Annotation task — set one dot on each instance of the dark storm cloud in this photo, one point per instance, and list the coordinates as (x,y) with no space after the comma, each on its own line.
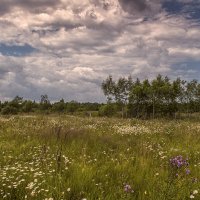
(4,8)
(133,5)
(30,5)
(105,5)
(145,8)
(190,9)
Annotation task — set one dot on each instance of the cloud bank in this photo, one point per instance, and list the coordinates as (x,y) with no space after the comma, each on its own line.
(66,48)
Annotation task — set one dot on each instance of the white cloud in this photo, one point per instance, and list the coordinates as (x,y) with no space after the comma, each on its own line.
(79,43)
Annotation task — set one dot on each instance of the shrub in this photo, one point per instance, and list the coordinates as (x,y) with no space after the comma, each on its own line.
(9,110)
(107,110)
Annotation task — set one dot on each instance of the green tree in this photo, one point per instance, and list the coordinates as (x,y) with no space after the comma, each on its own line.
(45,104)
(190,93)
(118,91)
(108,87)
(28,106)
(72,106)
(59,106)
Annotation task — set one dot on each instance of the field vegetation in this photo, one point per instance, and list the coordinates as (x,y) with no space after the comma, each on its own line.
(75,158)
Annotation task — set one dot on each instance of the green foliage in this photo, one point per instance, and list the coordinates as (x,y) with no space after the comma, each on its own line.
(59,106)
(108,110)
(72,106)
(28,106)
(108,87)
(8,110)
(158,98)
(45,104)
(118,91)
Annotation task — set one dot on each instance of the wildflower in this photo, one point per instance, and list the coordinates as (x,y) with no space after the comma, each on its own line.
(179,162)
(191,196)
(195,192)
(127,188)
(187,171)
(33,193)
(68,189)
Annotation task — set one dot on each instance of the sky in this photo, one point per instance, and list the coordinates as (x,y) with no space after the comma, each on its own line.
(66,48)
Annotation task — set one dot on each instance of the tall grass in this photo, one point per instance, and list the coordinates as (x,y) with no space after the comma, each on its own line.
(63,157)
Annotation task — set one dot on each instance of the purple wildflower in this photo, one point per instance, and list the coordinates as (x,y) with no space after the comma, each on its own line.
(179,162)
(127,188)
(187,171)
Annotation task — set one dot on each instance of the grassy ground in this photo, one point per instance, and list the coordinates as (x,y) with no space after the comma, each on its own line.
(45,157)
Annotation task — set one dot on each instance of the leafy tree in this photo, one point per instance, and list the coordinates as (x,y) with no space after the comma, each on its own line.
(59,106)
(28,106)
(108,87)
(160,97)
(72,106)
(190,94)
(45,104)
(117,91)
(135,98)
(16,103)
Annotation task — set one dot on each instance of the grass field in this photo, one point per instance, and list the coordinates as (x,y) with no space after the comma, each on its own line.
(66,157)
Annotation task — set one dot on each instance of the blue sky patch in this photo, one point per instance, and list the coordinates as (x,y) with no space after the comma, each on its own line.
(187,65)
(16,50)
(191,10)
(173,6)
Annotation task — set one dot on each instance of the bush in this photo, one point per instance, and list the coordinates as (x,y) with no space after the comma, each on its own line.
(9,110)
(107,110)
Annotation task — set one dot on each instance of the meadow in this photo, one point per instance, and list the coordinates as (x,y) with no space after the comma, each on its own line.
(83,158)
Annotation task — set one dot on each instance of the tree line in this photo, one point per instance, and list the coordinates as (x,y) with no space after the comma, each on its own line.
(159,97)
(19,105)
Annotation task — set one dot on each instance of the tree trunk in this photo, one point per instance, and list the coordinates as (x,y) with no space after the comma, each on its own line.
(153,106)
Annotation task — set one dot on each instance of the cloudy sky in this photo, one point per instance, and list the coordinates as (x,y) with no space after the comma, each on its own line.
(65,48)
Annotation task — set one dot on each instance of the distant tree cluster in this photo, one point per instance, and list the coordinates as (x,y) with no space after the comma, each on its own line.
(150,99)
(19,105)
